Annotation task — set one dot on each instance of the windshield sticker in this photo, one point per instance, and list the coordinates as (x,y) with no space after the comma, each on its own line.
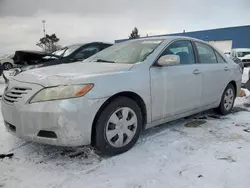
(151,42)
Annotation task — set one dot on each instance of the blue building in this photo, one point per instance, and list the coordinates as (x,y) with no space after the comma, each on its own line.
(224,38)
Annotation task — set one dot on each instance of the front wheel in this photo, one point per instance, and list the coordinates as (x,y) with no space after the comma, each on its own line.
(227,100)
(118,126)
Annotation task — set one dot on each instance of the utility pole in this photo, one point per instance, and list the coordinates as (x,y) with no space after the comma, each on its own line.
(44,31)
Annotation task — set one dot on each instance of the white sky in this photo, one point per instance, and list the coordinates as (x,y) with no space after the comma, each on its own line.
(106,20)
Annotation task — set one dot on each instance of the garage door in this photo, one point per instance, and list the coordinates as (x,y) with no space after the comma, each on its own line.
(224,45)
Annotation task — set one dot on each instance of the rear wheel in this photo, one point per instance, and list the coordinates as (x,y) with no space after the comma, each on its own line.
(227,100)
(118,126)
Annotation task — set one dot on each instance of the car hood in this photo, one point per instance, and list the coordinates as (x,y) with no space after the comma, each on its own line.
(69,73)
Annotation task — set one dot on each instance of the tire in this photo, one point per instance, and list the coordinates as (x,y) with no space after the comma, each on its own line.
(110,138)
(226,104)
(7,66)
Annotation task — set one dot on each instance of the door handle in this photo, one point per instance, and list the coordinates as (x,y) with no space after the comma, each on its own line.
(196,71)
(226,68)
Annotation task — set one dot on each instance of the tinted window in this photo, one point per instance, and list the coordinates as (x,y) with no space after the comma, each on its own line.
(183,49)
(87,52)
(206,53)
(105,46)
(242,54)
(219,58)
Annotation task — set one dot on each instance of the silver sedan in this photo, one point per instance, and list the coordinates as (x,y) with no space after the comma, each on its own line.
(108,99)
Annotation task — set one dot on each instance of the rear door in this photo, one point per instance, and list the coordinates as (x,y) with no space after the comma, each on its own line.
(215,73)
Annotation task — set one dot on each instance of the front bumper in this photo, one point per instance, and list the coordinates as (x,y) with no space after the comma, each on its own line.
(70,120)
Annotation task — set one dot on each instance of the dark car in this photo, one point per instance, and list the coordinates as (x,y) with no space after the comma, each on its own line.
(25,57)
(68,54)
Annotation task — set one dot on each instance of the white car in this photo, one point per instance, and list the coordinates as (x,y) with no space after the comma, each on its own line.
(243,54)
(7,62)
(108,99)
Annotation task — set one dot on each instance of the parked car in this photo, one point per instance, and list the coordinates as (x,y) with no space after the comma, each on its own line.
(108,99)
(68,54)
(7,62)
(227,54)
(243,54)
(26,57)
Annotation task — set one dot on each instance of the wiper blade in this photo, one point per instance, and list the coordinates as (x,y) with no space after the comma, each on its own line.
(105,61)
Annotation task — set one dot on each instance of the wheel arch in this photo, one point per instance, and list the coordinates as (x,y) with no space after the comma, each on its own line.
(7,62)
(235,87)
(132,95)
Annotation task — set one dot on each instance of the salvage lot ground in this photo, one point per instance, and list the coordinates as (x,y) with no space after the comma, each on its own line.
(211,153)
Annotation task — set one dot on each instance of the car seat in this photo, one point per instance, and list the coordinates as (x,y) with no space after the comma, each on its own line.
(184,58)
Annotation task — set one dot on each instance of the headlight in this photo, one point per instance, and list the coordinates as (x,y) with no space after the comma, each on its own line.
(61,92)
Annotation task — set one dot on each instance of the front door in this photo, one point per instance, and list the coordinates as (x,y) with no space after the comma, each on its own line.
(176,89)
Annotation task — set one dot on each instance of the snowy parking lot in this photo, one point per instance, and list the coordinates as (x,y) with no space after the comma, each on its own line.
(205,150)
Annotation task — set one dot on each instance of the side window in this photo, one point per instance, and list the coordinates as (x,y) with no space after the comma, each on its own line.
(183,49)
(219,58)
(206,53)
(86,52)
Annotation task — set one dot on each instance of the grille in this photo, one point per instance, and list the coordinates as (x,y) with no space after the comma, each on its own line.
(15,93)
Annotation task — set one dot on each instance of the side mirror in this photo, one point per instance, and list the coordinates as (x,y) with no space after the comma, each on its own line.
(168,60)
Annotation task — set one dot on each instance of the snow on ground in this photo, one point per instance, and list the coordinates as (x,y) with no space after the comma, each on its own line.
(211,155)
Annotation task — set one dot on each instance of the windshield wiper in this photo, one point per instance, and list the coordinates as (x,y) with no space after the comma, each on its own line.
(105,61)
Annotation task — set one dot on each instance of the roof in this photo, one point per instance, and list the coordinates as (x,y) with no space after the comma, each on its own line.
(165,38)
(227,33)
(32,51)
(242,49)
(81,44)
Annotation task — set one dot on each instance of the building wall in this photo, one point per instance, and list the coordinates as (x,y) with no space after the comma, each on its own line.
(239,35)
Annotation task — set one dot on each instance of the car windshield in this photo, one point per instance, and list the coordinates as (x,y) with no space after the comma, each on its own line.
(66,51)
(128,52)
(59,52)
(242,54)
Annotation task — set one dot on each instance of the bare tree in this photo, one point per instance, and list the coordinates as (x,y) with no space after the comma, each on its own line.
(49,43)
(134,34)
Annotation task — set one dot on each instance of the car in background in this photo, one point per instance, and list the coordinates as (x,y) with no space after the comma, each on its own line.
(227,54)
(27,57)
(7,62)
(109,98)
(68,54)
(243,54)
